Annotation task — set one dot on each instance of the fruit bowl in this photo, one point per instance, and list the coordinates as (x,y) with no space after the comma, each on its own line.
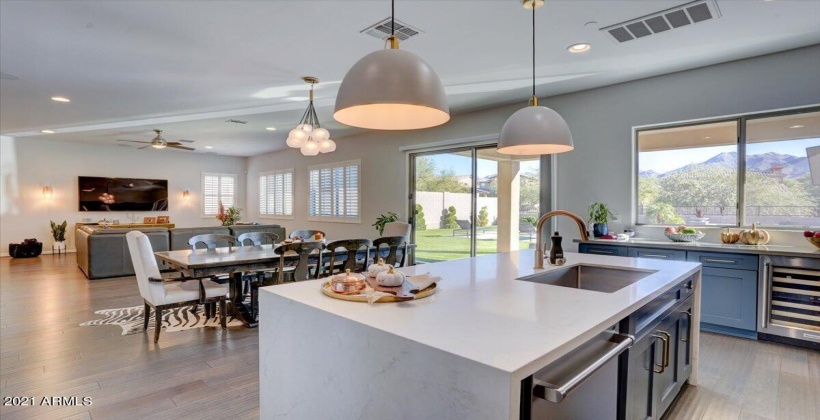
(814,241)
(685,237)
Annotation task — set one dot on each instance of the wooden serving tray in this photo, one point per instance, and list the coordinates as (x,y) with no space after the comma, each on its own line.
(430,290)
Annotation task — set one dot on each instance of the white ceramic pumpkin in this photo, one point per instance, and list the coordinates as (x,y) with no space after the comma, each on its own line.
(390,278)
(378,267)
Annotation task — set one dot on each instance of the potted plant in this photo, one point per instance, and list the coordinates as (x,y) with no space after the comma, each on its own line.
(230,216)
(599,217)
(58,233)
(383,220)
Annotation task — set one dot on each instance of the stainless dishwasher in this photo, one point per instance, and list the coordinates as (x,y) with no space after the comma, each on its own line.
(790,301)
(581,385)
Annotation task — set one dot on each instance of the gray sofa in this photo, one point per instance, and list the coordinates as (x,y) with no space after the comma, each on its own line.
(104,253)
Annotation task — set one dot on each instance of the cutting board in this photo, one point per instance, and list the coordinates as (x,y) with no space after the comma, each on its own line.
(403,292)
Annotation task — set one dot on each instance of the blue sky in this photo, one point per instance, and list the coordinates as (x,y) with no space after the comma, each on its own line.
(461,165)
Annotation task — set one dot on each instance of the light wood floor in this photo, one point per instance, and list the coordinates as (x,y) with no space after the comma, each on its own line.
(211,374)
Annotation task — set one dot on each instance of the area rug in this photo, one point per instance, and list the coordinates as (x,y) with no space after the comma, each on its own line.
(177,319)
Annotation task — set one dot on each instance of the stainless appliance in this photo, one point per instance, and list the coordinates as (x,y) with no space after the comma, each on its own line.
(790,301)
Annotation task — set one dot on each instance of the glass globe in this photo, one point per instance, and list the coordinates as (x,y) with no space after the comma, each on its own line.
(320,134)
(296,143)
(327,146)
(307,127)
(298,134)
(310,148)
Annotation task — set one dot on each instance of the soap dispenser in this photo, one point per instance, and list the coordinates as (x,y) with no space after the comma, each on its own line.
(556,252)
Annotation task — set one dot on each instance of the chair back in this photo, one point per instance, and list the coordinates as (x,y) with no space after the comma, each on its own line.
(304,251)
(257,238)
(145,266)
(346,251)
(397,229)
(211,240)
(305,234)
(396,251)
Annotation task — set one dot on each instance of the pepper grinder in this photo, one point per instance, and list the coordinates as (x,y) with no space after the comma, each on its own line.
(556,252)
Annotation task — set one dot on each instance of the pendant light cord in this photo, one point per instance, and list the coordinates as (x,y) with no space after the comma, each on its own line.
(533,51)
(393,17)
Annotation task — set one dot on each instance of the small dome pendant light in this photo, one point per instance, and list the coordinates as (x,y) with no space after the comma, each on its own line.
(534,130)
(391,89)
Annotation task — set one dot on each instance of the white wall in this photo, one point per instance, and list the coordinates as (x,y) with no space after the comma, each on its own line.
(29,164)
(600,167)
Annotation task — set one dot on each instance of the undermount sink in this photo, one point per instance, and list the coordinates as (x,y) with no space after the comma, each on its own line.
(590,277)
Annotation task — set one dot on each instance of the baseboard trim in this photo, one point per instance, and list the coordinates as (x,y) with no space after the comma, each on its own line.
(68,251)
(737,332)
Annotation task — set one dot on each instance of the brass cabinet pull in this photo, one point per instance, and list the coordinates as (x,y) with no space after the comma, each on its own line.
(664,359)
(720,260)
(689,326)
(599,251)
(666,348)
(655,255)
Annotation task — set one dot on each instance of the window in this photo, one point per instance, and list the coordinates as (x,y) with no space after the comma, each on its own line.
(753,169)
(276,193)
(217,188)
(334,192)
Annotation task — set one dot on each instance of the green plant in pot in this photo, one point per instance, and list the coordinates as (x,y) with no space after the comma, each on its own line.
(599,215)
(382,220)
(58,234)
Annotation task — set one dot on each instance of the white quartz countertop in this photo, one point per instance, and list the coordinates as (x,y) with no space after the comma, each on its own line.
(481,313)
(803,250)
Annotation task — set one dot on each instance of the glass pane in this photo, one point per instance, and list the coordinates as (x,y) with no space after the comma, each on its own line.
(783,171)
(443,185)
(688,175)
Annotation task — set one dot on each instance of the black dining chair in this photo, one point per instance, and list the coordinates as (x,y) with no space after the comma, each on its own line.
(305,252)
(344,255)
(211,240)
(392,248)
(305,234)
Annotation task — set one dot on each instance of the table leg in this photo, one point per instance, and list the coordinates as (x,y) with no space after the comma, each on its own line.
(238,308)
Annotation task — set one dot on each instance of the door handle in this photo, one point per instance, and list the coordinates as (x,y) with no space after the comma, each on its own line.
(767,295)
(689,326)
(664,351)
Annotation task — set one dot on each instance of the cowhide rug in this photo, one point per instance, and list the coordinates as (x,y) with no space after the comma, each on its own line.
(177,319)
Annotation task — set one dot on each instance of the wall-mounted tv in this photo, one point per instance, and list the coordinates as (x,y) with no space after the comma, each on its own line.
(122,194)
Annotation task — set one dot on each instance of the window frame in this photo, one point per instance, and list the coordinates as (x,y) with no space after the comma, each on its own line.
(336,219)
(291,171)
(741,120)
(235,177)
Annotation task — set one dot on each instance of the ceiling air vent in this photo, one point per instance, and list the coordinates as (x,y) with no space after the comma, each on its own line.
(665,20)
(381,30)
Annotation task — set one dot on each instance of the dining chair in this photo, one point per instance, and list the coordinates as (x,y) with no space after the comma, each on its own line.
(305,234)
(344,253)
(211,240)
(396,229)
(300,271)
(257,279)
(161,294)
(397,250)
(257,238)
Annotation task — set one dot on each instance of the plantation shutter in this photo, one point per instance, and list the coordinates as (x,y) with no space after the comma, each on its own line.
(276,193)
(216,188)
(334,192)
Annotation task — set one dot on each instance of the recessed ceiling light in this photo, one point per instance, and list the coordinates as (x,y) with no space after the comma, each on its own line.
(47,131)
(707,138)
(60,99)
(579,48)
(209,147)
(270,128)
(797,126)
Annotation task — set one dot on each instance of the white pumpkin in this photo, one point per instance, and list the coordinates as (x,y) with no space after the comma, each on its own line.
(379,267)
(390,278)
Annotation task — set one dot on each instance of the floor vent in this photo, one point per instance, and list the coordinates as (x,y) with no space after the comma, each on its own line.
(665,20)
(381,30)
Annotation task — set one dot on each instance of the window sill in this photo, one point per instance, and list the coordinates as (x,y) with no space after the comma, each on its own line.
(333,219)
(275,216)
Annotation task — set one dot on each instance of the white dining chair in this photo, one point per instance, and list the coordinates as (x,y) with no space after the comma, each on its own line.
(397,229)
(161,294)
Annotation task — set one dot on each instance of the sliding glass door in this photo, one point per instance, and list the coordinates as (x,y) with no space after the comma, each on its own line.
(472,201)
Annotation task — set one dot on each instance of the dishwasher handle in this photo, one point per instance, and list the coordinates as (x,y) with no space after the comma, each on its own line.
(557,392)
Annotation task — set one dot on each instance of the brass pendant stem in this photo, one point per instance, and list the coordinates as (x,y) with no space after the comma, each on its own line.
(534,101)
(394,42)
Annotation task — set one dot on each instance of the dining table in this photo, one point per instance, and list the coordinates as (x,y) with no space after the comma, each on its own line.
(233,261)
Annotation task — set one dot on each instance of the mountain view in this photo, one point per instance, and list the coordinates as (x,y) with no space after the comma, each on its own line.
(791,166)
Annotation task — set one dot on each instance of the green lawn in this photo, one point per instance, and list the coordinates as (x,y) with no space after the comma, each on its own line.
(440,245)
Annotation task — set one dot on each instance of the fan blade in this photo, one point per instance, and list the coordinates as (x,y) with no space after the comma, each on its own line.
(135,141)
(178,146)
(143,147)
(187,141)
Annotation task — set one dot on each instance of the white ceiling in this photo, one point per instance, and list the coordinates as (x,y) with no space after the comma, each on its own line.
(187,66)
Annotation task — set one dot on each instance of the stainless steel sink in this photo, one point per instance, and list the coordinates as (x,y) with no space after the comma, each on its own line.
(590,277)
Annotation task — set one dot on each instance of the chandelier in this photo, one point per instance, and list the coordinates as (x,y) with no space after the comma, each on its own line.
(309,136)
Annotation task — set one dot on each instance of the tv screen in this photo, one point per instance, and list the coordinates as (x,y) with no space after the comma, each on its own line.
(122,194)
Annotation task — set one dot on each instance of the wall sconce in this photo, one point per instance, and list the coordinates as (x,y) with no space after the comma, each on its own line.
(186,194)
(48,191)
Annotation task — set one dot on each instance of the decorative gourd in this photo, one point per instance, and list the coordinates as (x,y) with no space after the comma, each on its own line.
(379,267)
(390,278)
(729,237)
(754,236)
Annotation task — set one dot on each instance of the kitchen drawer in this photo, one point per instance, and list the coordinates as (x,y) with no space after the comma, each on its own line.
(650,313)
(720,260)
(660,254)
(616,250)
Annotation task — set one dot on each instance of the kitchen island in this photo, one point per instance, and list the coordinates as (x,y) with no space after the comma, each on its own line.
(462,353)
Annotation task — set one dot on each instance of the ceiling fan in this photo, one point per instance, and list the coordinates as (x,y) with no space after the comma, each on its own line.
(160,143)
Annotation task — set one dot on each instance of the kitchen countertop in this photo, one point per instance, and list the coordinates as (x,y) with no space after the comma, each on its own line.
(787,250)
(482,314)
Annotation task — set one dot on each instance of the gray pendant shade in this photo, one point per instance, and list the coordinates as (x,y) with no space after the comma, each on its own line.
(391,89)
(535,130)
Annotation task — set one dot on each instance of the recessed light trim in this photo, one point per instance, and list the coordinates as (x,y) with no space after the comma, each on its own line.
(579,48)
(270,128)
(798,126)
(47,131)
(209,147)
(60,99)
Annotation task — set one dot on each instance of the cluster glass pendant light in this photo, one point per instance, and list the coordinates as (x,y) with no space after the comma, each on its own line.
(309,136)
(391,89)
(535,130)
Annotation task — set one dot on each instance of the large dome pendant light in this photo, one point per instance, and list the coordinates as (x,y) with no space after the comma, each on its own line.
(391,89)
(309,136)
(535,130)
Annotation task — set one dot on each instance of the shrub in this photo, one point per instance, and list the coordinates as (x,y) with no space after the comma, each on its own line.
(421,224)
(483,217)
(450,218)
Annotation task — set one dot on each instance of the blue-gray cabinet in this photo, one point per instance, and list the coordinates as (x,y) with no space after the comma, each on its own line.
(618,251)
